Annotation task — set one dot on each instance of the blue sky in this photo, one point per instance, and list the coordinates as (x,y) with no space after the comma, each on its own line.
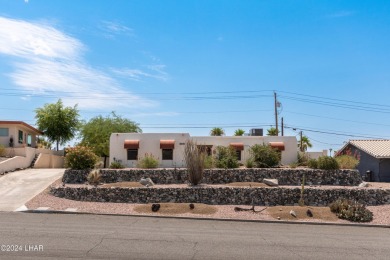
(187,66)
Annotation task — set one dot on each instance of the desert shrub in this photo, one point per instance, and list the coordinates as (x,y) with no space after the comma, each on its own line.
(2,151)
(312,163)
(327,163)
(208,162)
(347,162)
(294,165)
(94,177)
(303,159)
(249,163)
(195,161)
(116,165)
(264,156)
(147,162)
(351,210)
(80,158)
(225,157)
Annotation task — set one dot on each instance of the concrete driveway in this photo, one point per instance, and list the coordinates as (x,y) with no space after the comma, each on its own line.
(16,188)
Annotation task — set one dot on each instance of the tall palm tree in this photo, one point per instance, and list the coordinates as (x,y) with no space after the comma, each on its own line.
(239,132)
(305,144)
(272,131)
(217,131)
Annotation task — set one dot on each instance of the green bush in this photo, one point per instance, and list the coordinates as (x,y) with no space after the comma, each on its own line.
(249,163)
(80,158)
(208,162)
(327,163)
(2,151)
(116,165)
(225,157)
(351,210)
(264,156)
(312,163)
(347,162)
(303,159)
(148,162)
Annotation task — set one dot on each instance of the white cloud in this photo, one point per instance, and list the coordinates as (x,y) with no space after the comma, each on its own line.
(155,71)
(341,14)
(111,29)
(46,60)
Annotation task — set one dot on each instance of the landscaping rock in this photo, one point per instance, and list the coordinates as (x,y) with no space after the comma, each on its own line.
(309,213)
(364,184)
(156,207)
(192,206)
(292,213)
(146,182)
(271,182)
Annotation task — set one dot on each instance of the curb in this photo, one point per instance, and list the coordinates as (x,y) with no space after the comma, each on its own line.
(212,219)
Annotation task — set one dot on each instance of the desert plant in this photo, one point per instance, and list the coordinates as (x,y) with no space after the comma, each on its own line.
(264,156)
(239,132)
(303,159)
(301,201)
(116,165)
(147,162)
(312,163)
(195,161)
(249,163)
(2,151)
(217,131)
(80,158)
(208,162)
(351,210)
(94,177)
(272,131)
(327,163)
(347,162)
(293,165)
(225,157)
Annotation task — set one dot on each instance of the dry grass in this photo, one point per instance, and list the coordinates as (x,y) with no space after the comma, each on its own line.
(283,212)
(122,185)
(247,184)
(177,208)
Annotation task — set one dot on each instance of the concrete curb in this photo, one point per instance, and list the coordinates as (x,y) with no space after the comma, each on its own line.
(213,219)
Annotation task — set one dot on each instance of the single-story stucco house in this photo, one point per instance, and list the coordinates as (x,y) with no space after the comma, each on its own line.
(168,148)
(374,157)
(18,134)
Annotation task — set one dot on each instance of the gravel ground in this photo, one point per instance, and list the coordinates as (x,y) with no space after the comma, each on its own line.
(44,199)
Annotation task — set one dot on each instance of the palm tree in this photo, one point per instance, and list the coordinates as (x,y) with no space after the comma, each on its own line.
(217,131)
(305,144)
(272,131)
(239,132)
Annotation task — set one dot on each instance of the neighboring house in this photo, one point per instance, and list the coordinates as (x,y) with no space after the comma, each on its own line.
(374,157)
(19,132)
(168,148)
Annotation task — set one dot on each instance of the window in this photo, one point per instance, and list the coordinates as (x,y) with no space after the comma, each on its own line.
(205,149)
(4,131)
(167,154)
(20,139)
(238,153)
(132,154)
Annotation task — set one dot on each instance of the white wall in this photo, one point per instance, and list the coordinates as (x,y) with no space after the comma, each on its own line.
(18,161)
(150,143)
(47,160)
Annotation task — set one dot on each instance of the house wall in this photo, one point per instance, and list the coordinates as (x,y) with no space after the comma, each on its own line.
(46,160)
(13,130)
(384,170)
(150,144)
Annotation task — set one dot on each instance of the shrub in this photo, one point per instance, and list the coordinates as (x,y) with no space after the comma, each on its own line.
(303,159)
(94,177)
(312,163)
(264,156)
(195,161)
(249,163)
(148,162)
(80,158)
(2,151)
(351,210)
(208,162)
(116,165)
(327,163)
(347,162)
(226,157)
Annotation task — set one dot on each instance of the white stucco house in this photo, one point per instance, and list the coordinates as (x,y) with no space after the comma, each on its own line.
(168,148)
(20,133)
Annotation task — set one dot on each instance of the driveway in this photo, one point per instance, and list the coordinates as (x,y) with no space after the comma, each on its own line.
(16,188)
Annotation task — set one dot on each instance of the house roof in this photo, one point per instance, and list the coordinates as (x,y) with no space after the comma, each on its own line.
(22,123)
(376,148)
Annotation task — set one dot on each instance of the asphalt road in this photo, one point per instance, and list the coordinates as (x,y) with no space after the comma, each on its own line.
(119,237)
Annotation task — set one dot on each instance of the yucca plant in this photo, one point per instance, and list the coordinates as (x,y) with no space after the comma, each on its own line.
(94,177)
(195,162)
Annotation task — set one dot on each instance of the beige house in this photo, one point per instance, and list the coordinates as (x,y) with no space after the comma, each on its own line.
(168,148)
(18,134)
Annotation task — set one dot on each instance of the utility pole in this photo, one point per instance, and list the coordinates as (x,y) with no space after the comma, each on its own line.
(282,127)
(276,114)
(301,142)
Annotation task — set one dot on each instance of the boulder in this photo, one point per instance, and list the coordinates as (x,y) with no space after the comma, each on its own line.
(271,182)
(364,184)
(146,182)
(292,213)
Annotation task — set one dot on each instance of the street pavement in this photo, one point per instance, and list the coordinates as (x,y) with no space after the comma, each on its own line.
(76,236)
(16,188)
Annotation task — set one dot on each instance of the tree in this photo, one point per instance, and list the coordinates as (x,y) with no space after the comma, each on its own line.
(239,132)
(272,131)
(217,131)
(97,131)
(305,143)
(58,123)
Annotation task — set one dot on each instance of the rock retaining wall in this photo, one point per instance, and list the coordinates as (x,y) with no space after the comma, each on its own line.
(223,195)
(221,176)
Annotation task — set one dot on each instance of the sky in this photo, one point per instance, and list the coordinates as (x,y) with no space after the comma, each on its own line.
(189,66)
